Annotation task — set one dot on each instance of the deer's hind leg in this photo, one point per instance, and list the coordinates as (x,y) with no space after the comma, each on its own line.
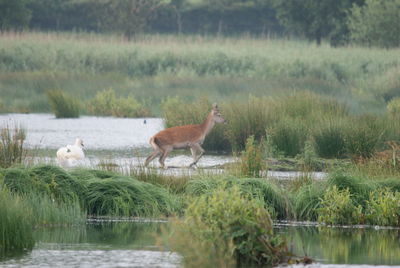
(165,152)
(153,155)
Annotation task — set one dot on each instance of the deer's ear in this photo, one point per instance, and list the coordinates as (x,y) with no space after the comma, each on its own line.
(215,106)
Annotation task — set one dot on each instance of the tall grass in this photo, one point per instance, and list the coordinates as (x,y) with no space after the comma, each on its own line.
(16,224)
(273,197)
(63,105)
(12,149)
(154,66)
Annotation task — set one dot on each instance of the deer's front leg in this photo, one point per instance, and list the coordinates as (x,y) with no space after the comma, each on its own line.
(197,152)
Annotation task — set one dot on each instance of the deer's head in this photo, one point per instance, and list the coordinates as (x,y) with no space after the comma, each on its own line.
(216,115)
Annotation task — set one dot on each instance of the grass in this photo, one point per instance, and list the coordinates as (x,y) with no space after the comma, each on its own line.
(63,105)
(155,67)
(12,149)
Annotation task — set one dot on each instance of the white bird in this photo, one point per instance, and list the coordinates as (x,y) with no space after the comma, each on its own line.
(70,155)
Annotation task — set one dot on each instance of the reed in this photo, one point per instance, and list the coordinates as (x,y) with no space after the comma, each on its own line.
(63,105)
(16,224)
(12,149)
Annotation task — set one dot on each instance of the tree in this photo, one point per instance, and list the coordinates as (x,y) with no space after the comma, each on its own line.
(14,15)
(377,23)
(315,19)
(130,16)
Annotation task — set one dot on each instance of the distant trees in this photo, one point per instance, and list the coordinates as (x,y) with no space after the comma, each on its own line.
(315,19)
(377,23)
(14,15)
(365,22)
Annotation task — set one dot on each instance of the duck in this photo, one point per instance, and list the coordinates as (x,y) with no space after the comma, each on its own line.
(71,155)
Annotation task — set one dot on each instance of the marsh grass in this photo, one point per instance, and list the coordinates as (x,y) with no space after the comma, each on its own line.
(16,223)
(273,197)
(63,105)
(163,65)
(12,149)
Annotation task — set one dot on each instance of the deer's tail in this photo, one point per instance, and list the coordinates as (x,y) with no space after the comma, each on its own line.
(154,142)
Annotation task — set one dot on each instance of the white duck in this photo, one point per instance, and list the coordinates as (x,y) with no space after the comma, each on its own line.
(70,155)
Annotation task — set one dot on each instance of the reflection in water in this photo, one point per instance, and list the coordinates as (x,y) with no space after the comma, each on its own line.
(345,245)
(101,244)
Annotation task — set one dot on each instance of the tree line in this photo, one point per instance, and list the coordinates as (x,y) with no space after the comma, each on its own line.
(340,22)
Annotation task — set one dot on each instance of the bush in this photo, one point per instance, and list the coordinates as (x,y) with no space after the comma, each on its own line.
(337,207)
(62,105)
(12,149)
(232,228)
(383,208)
(307,201)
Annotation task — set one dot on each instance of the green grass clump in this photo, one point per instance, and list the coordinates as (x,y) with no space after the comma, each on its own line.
(329,139)
(16,223)
(108,193)
(12,149)
(274,198)
(307,200)
(63,105)
(49,180)
(358,187)
(225,228)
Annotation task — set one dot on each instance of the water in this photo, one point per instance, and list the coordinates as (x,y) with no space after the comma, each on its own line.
(122,142)
(135,244)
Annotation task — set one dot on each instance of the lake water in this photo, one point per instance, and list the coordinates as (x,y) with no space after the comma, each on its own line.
(122,142)
(134,244)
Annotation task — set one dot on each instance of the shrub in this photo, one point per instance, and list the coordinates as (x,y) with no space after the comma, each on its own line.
(307,201)
(62,105)
(12,149)
(230,226)
(383,208)
(337,207)
(251,159)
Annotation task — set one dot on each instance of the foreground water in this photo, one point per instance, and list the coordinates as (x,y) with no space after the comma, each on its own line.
(135,244)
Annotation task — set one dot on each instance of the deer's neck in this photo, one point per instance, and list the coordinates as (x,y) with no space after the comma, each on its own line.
(207,125)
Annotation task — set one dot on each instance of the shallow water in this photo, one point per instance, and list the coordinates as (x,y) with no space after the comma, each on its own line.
(134,244)
(121,142)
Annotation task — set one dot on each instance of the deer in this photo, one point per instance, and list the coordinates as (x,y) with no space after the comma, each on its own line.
(183,137)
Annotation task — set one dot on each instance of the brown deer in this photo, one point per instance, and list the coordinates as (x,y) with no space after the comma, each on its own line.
(181,137)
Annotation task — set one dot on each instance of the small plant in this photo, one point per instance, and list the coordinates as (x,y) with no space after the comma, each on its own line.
(12,149)
(62,105)
(329,140)
(337,207)
(383,208)
(251,159)
(229,228)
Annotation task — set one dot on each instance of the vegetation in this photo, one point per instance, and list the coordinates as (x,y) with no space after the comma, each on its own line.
(12,149)
(225,228)
(62,105)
